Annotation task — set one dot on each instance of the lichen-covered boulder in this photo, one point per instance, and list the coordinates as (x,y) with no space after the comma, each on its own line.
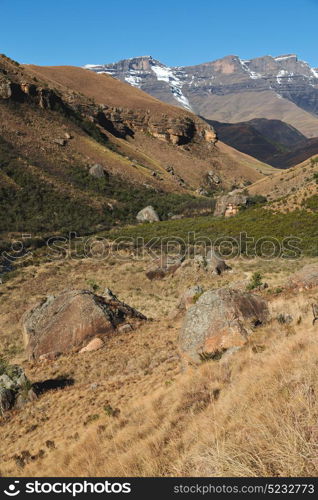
(68,321)
(14,385)
(305,278)
(220,319)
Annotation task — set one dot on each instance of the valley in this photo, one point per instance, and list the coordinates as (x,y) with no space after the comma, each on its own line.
(158,269)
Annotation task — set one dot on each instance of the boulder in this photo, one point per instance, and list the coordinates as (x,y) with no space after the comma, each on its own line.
(14,386)
(6,382)
(5,88)
(214,178)
(229,205)
(147,214)
(305,278)
(211,262)
(201,191)
(66,322)
(189,297)
(125,328)
(93,345)
(215,263)
(97,171)
(163,267)
(12,377)
(6,400)
(220,320)
(60,142)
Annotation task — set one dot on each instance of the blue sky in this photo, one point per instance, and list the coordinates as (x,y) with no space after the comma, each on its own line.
(78,32)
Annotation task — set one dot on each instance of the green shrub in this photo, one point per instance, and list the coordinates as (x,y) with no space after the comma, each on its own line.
(3,366)
(31,204)
(93,285)
(257,199)
(255,282)
(313,161)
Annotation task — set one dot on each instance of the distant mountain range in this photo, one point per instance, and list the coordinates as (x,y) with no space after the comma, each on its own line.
(230,89)
(271,141)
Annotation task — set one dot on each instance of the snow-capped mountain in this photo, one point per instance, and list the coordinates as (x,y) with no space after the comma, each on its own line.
(230,89)
(145,71)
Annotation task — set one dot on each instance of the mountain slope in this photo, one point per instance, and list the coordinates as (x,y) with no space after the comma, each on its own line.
(143,114)
(290,189)
(58,122)
(231,89)
(271,141)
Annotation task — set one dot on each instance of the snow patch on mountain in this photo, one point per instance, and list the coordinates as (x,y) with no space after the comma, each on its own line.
(163,73)
(314,72)
(252,74)
(133,79)
(166,74)
(284,58)
(91,66)
(281,75)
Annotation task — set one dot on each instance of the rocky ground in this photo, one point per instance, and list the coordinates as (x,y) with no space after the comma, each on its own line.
(133,407)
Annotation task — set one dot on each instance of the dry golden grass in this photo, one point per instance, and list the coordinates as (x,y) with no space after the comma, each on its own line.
(133,410)
(287,189)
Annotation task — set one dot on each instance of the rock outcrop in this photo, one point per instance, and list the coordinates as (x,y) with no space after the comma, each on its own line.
(97,171)
(220,320)
(179,131)
(305,278)
(147,214)
(211,262)
(215,263)
(15,388)
(64,323)
(163,267)
(5,88)
(230,204)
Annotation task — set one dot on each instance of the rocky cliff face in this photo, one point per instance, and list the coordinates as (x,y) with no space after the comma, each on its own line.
(175,130)
(284,78)
(121,122)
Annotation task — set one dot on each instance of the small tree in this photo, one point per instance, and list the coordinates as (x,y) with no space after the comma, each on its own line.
(255,282)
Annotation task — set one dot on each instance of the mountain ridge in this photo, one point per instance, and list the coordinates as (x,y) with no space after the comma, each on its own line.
(271,141)
(286,87)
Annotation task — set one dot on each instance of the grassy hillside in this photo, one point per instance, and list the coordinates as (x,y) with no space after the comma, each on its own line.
(288,190)
(131,409)
(255,222)
(73,200)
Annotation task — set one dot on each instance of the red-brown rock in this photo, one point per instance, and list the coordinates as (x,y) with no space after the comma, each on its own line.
(66,322)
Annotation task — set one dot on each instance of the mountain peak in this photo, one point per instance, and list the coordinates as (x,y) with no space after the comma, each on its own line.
(284,79)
